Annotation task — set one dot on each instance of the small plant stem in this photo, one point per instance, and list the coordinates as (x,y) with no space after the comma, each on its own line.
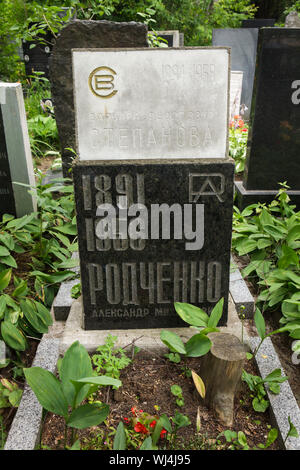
(256,350)
(65,436)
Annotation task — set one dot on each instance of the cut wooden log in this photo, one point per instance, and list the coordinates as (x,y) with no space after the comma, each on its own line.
(221,371)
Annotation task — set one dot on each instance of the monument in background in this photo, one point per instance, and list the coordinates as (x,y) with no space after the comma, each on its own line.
(15,155)
(243,44)
(273,153)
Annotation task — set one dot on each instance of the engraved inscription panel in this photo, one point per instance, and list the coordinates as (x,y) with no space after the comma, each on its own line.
(152,103)
(145,243)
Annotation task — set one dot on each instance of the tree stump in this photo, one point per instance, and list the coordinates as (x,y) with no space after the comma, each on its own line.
(221,371)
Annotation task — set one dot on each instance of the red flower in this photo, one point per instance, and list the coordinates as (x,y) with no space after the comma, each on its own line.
(139,427)
(241,123)
(126,420)
(162,434)
(152,424)
(245,130)
(133,410)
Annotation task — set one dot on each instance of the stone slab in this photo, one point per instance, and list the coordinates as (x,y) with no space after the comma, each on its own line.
(236,86)
(240,293)
(63,300)
(246,197)
(154,103)
(25,429)
(243,43)
(82,34)
(132,283)
(146,339)
(274,132)
(15,155)
(283,405)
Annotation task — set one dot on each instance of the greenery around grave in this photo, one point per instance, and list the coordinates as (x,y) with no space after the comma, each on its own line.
(36,250)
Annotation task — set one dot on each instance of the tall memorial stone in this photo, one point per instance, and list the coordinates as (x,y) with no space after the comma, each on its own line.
(83,34)
(153,184)
(274,136)
(243,44)
(15,155)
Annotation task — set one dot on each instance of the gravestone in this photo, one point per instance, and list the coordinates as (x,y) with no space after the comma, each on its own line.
(87,34)
(292,20)
(258,23)
(243,43)
(15,155)
(236,85)
(274,135)
(152,132)
(172,37)
(37,58)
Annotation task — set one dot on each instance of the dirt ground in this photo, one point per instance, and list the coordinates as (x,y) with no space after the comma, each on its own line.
(146,384)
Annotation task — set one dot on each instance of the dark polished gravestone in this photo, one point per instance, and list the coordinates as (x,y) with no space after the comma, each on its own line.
(83,34)
(243,44)
(274,136)
(15,156)
(258,23)
(133,283)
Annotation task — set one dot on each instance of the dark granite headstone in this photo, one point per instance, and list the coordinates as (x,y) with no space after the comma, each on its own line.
(243,43)
(274,138)
(83,34)
(258,23)
(133,283)
(7,205)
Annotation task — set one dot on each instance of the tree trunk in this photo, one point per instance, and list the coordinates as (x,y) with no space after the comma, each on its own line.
(221,371)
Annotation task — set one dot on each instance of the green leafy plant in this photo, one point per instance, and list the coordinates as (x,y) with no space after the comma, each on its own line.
(238,440)
(199,344)
(292,432)
(256,385)
(176,390)
(64,396)
(238,135)
(10,394)
(110,360)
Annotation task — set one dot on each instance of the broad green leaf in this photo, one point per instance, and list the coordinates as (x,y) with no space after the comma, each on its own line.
(48,390)
(246,246)
(120,438)
(29,310)
(199,384)
(292,430)
(197,346)
(276,232)
(173,341)
(88,415)
(12,336)
(260,323)
(75,365)
(43,314)
(293,234)
(147,444)
(104,380)
(5,277)
(260,405)
(272,436)
(216,314)
(76,445)
(3,251)
(192,315)
(9,261)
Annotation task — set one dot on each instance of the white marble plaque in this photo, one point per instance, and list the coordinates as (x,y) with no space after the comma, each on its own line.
(236,86)
(151,103)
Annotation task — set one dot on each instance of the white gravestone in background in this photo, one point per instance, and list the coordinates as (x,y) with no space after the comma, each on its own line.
(151,103)
(15,155)
(236,85)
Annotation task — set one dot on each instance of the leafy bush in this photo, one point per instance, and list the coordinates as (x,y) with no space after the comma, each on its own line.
(269,235)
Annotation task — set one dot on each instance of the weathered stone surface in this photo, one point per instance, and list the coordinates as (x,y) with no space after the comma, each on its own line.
(15,155)
(258,23)
(83,34)
(25,429)
(274,134)
(292,20)
(133,283)
(155,103)
(243,43)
